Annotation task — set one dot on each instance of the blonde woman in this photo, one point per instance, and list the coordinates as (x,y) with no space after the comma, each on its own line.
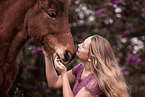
(98,75)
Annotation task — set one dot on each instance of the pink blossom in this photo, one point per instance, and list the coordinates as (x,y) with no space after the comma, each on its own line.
(122,68)
(138,61)
(129,60)
(121,24)
(115,1)
(127,12)
(135,58)
(119,37)
(117,59)
(126,73)
(129,26)
(100,12)
(131,49)
(126,32)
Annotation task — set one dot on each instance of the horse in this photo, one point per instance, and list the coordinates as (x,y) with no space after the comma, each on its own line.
(20,20)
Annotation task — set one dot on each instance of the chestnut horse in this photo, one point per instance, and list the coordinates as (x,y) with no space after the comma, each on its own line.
(20,20)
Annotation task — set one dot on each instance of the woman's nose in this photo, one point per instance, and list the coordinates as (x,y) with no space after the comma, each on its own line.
(79,45)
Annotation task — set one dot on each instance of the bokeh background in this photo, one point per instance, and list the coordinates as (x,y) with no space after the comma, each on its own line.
(122,23)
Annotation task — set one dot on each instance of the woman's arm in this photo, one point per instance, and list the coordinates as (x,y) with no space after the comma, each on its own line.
(67,92)
(51,74)
(54,81)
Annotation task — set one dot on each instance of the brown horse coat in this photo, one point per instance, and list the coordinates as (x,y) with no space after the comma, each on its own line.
(20,20)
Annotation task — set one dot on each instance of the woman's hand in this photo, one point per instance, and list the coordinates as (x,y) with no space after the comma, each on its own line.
(59,66)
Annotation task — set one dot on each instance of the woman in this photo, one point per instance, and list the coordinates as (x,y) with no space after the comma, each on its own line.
(97,76)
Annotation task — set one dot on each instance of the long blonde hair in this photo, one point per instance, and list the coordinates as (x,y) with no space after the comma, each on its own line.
(106,70)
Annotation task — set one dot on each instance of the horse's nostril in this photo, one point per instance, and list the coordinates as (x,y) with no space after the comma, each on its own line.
(68,55)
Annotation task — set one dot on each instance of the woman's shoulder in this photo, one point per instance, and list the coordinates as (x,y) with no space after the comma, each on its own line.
(77,68)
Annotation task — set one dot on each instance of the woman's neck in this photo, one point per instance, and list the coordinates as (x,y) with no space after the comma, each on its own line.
(87,68)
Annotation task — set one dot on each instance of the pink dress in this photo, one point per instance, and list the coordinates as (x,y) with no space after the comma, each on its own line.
(89,82)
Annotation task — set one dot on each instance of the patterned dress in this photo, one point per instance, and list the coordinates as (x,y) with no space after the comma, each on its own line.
(89,82)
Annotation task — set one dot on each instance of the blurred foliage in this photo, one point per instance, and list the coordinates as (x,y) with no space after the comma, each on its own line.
(122,23)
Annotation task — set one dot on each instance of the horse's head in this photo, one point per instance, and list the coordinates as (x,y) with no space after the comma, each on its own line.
(47,22)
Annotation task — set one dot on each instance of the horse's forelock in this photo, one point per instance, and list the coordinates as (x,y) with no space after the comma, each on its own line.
(62,2)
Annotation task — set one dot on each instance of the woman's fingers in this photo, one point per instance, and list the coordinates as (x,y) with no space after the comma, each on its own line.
(59,66)
(57,61)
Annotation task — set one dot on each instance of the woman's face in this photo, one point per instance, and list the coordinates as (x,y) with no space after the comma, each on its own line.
(83,49)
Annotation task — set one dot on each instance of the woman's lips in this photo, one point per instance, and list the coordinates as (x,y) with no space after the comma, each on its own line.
(78,51)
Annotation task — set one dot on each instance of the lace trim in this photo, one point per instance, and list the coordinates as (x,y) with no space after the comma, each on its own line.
(93,87)
(76,69)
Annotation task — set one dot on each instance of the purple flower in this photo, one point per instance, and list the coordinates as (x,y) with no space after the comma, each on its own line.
(119,37)
(127,12)
(37,86)
(131,49)
(122,68)
(117,59)
(121,24)
(138,61)
(101,12)
(115,1)
(129,26)
(126,32)
(36,50)
(126,73)
(135,58)
(129,60)
(110,26)
(29,67)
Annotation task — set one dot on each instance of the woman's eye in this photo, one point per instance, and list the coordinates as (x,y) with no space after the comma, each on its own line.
(52,15)
(83,45)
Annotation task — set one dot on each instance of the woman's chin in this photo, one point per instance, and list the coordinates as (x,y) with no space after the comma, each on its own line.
(77,53)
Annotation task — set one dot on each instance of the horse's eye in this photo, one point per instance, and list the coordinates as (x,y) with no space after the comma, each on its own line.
(52,33)
(52,15)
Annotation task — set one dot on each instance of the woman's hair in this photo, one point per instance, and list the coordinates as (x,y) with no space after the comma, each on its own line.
(104,65)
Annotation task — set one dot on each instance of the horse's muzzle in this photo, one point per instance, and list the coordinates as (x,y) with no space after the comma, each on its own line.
(68,57)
